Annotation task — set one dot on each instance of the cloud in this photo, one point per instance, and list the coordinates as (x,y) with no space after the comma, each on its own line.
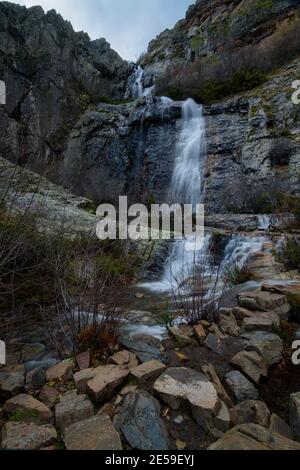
(128,25)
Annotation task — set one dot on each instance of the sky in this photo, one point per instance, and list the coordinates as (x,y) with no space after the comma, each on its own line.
(128,25)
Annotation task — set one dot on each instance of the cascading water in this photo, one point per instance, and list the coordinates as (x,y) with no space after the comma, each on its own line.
(135,87)
(186,188)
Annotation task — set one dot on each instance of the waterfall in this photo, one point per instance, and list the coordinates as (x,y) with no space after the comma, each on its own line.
(135,86)
(187,180)
(186,188)
(264,222)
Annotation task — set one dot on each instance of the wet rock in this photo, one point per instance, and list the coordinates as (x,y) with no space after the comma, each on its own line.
(295,415)
(21,436)
(49,396)
(252,364)
(72,408)
(96,433)
(241,388)
(140,422)
(210,371)
(28,408)
(145,348)
(268,345)
(32,351)
(250,411)
(62,372)
(278,426)
(106,382)
(83,360)
(200,333)
(228,323)
(253,437)
(11,383)
(124,358)
(148,371)
(179,386)
(265,301)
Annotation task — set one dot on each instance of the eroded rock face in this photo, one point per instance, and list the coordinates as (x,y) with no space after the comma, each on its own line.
(45,64)
(186,386)
(140,422)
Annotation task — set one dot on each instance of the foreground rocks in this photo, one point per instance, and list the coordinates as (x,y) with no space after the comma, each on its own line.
(253,437)
(295,415)
(182,385)
(140,422)
(241,388)
(96,433)
(24,436)
(29,408)
(72,408)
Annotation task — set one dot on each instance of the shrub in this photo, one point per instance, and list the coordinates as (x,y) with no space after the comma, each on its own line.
(289,254)
(235,275)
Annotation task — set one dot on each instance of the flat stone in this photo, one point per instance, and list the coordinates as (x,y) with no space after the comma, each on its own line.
(148,371)
(268,345)
(278,426)
(140,422)
(250,411)
(49,396)
(181,385)
(83,360)
(31,351)
(124,358)
(241,313)
(11,383)
(222,420)
(295,415)
(228,323)
(29,407)
(241,388)
(22,436)
(145,347)
(107,381)
(96,433)
(200,333)
(253,437)
(62,372)
(290,289)
(265,301)
(72,408)
(251,364)
(261,320)
(81,379)
(211,373)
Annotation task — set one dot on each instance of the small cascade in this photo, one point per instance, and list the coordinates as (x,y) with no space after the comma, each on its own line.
(264,222)
(135,87)
(239,248)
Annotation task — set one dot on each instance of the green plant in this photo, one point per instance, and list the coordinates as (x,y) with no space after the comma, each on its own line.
(289,254)
(24,415)
(167,320)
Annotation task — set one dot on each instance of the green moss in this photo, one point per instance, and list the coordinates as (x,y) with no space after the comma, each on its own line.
(197,42)
(26,415)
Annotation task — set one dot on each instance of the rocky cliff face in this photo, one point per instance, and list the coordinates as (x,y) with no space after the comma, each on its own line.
(212,27)
(52,74)
(56,79)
